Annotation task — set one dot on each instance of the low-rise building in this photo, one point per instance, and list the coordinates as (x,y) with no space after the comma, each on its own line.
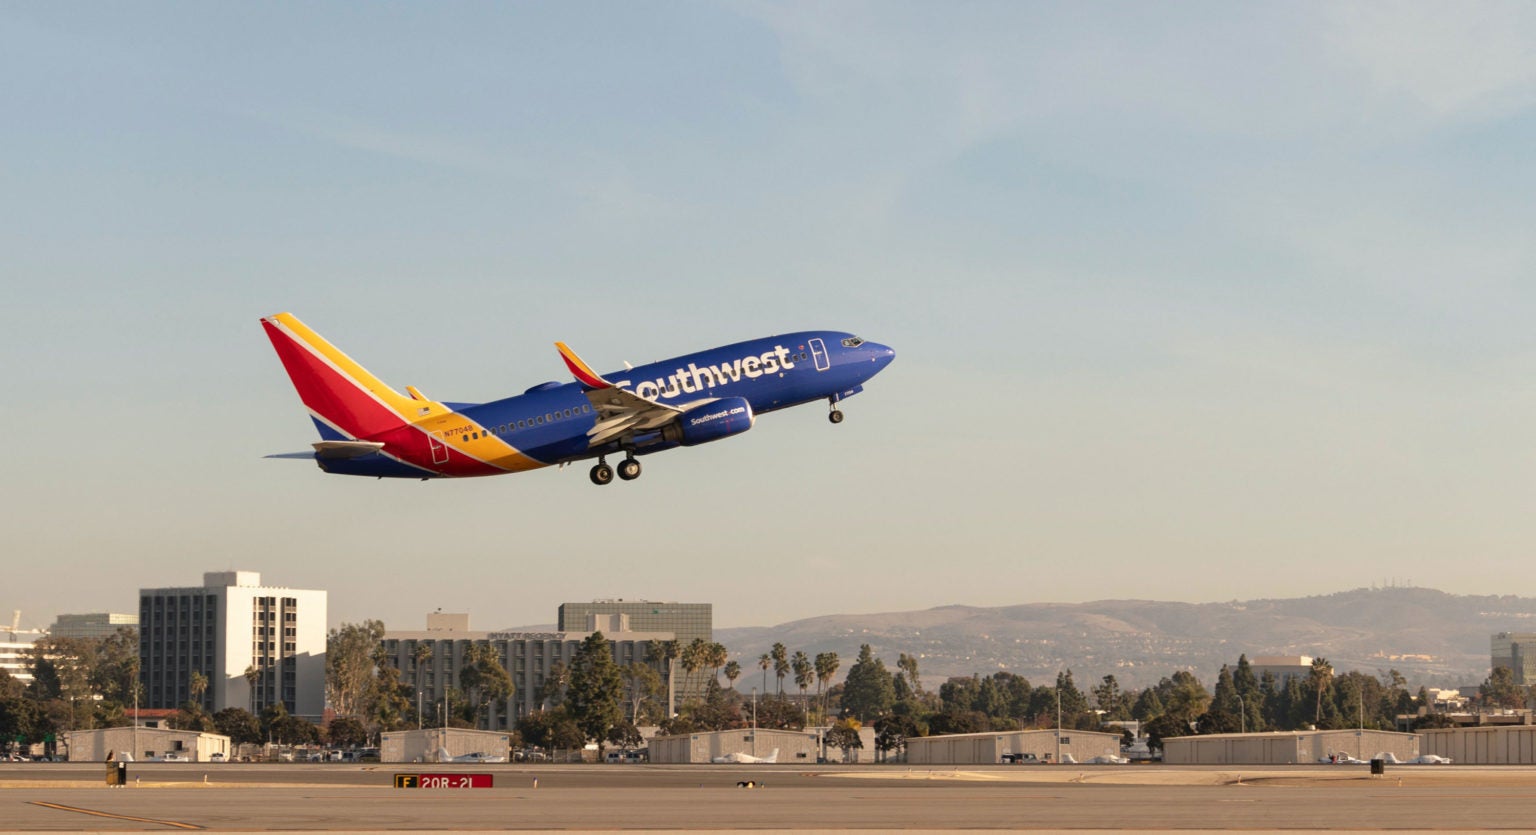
(786,747)
(1488,745)
(429,745)
(1288,747)
(991,747)
(144,745)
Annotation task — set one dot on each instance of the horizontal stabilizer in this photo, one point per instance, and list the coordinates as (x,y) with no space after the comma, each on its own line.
(346,449)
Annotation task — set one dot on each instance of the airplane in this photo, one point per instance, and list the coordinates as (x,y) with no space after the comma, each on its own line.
(369,429)
(738,757)
(477,757)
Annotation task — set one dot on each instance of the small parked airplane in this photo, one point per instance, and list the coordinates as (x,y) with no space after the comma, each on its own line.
(477,757)
(369,429)
(739,757)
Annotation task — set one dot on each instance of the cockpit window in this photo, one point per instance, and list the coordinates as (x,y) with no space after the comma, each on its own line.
(852,342)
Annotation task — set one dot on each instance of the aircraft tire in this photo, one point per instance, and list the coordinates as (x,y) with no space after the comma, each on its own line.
(835,416)
(602,474)
(629,469)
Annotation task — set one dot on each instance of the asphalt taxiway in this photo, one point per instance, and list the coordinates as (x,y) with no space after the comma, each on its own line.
(236,797)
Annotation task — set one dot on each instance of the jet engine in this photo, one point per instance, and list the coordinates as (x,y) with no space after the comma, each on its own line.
(711,422)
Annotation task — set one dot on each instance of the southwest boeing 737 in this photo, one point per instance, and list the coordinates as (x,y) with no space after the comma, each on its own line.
(369,429)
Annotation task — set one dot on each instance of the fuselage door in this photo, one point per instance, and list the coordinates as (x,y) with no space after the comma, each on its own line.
(819,354)
(439,451)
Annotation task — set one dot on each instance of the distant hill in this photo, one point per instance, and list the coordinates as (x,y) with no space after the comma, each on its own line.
(1429,636)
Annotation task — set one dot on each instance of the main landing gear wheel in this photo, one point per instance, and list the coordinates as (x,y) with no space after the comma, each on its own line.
(629,469)
(602,473)
(835,416)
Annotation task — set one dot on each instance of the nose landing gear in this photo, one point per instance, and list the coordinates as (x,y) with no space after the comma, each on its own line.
(834,415)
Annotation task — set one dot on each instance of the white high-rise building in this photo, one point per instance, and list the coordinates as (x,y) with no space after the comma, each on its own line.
(233,630)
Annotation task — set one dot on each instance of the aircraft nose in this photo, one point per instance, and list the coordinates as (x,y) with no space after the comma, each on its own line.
(881,354)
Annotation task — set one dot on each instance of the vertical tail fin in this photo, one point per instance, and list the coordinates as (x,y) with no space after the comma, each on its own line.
(343,398)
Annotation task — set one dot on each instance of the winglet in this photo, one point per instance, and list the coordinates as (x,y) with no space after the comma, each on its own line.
(580,370)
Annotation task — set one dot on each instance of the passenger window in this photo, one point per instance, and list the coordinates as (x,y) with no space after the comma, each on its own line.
(548,417)
(466,439)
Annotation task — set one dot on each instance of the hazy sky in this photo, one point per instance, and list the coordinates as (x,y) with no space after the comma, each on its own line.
(1190,301)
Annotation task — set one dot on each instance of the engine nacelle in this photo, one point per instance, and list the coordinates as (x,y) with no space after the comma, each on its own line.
(711,422)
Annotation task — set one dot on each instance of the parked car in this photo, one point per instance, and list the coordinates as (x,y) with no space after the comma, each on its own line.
(217,757)
(1021,759)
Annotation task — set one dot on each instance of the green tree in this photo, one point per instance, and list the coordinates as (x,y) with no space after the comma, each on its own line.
(765,662)
(1184,697)
(240,725)
(1321,680)
(349,665)
(1224,715)
(1148,706)
(597,687)
(1499,690)
(907,664)
(625,735)
(483,678)
(869,691)
(552,692)
(844,735)
(347,732)
(732,672)
(641,685)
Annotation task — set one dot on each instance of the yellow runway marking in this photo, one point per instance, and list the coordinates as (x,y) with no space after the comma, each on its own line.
(63,808)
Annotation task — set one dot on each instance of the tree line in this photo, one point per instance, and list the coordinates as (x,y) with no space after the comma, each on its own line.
(82,683)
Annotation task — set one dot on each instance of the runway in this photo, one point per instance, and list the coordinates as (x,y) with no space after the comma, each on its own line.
(173,797)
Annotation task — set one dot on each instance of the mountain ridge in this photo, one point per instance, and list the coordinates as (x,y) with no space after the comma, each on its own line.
(1431,637)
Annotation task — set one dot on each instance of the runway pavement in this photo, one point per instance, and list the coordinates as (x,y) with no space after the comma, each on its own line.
(169,797)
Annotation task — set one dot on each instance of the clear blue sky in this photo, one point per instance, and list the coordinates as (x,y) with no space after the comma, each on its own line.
(1191,301)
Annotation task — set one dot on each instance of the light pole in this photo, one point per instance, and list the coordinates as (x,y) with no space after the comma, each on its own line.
(1058,723)
(754,721)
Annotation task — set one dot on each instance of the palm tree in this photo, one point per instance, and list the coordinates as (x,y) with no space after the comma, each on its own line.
(780,664)
(804,672)
(765,661)
(693,660)
(420,656)
(666,652)
(826,667)
(253,677)
(1321,678)
(716,655)
(732,672)
(197,685)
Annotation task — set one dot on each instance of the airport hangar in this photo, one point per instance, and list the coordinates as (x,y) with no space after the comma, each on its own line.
(793,746)
(426,745)
(142,743)
(1486,745)
(983,748)
(1287,747)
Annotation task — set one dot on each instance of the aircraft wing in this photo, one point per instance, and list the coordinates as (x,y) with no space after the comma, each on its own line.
(619,412)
